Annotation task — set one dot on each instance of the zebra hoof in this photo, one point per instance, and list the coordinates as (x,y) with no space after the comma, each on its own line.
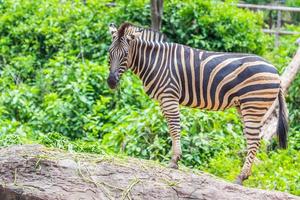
(173,165)
(238,181)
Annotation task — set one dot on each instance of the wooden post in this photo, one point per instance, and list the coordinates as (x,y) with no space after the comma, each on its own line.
(156,14)
(278,25)
(270,20)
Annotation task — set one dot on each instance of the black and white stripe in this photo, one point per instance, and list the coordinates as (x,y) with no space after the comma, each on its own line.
(175,75)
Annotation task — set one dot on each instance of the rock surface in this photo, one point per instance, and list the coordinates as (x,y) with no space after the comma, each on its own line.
(33,172)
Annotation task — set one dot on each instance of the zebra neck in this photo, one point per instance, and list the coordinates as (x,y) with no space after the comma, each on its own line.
(143,57)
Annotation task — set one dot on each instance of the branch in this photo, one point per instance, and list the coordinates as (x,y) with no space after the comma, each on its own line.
(269,128)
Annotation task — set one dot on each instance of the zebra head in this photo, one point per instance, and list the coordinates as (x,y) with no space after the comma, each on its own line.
(118,51)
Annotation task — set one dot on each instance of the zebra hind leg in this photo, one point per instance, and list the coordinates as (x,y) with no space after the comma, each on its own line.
(252,127)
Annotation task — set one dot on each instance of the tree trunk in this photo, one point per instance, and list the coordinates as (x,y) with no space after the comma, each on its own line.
(269,128)
(156,14)
(33,172)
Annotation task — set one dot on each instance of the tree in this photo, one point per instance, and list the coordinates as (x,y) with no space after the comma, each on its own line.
(156,14)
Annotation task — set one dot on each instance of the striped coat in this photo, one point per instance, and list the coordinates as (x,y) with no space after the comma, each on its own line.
(175,75)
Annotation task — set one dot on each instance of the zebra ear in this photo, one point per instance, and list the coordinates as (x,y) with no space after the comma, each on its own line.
(113,29)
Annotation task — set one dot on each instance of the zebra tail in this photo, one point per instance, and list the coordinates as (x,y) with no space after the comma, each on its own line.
(282,126)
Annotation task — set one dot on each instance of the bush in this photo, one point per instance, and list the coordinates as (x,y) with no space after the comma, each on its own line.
(206,25)
(53,60)
(274,170)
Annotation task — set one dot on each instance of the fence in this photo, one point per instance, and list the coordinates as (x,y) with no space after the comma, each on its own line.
(277,31)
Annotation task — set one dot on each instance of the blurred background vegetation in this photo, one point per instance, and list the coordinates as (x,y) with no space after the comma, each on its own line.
(53,91)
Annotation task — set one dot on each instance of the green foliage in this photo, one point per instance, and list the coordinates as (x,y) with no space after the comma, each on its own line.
(53,87)
(215,26)
(206,25)
(226,164)
(284,166)
(274,170)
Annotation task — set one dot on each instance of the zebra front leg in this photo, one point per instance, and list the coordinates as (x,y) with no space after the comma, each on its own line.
(170,109)
(252,133)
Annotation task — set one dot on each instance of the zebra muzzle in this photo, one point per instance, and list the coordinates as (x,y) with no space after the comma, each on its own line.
(112,80)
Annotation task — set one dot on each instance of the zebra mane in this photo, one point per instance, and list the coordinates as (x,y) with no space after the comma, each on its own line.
(122,29)
(125,28)
(158,36)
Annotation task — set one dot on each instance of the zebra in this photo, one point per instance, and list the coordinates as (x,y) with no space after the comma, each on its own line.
(175,74)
